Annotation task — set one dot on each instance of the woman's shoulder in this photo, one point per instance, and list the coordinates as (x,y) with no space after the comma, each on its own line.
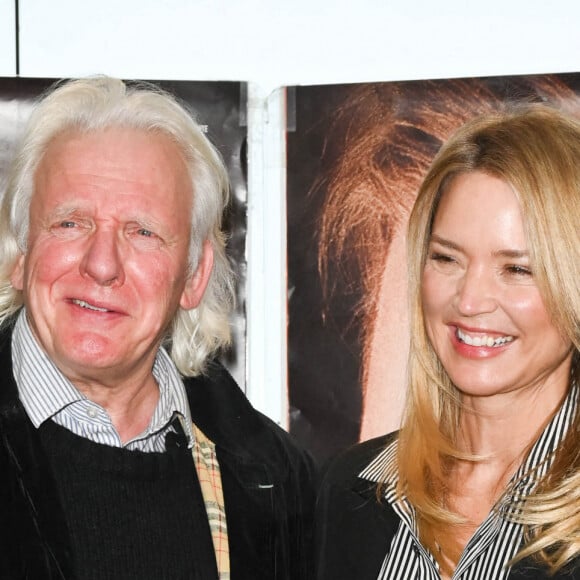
(348,464)
(350,518)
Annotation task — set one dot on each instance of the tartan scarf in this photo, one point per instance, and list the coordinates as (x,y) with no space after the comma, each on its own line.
(208,472)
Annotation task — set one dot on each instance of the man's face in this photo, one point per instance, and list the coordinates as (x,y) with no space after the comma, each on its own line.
(106,266)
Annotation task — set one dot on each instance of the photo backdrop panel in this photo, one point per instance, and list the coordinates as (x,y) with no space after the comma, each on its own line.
(356,155)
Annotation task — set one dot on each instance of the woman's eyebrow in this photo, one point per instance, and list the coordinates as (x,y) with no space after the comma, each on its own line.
(515,254)
(444,242)
(504,253)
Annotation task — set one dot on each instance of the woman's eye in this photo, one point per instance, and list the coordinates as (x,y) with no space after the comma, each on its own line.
(442,258)
(518,270)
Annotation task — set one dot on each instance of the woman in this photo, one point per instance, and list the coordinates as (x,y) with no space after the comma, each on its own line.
(481,482)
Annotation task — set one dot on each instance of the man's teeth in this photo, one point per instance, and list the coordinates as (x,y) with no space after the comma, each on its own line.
(482,340)
(84,304)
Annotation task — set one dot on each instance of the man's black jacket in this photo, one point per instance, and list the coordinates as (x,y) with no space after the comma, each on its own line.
(269,486)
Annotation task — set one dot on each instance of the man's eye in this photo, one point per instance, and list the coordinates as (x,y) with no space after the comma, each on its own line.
(145,233)
(67,224)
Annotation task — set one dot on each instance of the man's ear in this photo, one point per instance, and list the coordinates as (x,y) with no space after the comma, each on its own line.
(197,282)
(17,275)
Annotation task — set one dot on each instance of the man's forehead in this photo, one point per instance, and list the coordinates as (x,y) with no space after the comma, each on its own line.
(121,155)
(114,137)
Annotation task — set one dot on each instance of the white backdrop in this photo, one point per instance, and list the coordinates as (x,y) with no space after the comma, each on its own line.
(7,38)
(272,43)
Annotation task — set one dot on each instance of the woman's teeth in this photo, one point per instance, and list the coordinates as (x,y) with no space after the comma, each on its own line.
(482,340)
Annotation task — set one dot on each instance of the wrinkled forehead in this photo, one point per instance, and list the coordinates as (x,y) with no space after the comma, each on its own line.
(117,164)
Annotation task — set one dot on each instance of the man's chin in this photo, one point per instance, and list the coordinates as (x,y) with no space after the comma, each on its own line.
(87,357)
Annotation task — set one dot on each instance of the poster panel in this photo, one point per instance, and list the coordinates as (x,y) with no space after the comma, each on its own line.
(356,155)
(220,108)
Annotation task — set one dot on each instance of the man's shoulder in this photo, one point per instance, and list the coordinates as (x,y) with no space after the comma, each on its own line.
(222,411)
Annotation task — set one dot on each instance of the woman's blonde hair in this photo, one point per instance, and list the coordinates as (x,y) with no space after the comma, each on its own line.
(536,150)
(98,103)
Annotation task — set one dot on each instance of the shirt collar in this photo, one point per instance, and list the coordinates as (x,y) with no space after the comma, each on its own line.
(541,455)
(45,391)
(384,466)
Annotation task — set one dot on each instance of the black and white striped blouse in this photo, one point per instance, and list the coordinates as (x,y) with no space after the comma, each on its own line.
(497,539)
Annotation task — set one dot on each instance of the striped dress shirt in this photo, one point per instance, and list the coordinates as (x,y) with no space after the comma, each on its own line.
(47,394)
(497,539)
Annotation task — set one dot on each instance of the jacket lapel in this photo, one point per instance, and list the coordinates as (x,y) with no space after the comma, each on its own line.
(35,513)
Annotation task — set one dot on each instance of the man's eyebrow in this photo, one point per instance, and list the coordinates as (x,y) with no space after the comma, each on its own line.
(146,222)
(63,211)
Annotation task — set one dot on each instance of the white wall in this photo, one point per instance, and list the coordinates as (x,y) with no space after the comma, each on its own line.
(7,38)
(273,43)
(299,41)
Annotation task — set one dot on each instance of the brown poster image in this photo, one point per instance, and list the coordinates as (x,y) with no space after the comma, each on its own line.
(356,158)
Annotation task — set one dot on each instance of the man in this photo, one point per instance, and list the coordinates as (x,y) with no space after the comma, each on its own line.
(119,458)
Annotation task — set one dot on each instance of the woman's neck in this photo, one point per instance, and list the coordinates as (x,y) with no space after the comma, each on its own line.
(498,432)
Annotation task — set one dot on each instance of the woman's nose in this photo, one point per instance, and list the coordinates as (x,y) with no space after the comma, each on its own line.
(476,292)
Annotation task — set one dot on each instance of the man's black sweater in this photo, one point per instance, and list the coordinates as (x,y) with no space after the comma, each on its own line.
(131,515)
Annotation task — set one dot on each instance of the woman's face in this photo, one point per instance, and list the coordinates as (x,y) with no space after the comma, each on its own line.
(483,311)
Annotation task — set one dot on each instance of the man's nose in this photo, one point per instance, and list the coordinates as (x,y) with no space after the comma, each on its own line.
(102,260)
(476,292)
